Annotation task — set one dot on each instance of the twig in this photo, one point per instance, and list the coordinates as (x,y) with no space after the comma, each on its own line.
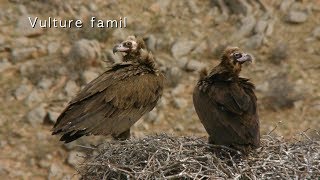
(275,127)
(167,157)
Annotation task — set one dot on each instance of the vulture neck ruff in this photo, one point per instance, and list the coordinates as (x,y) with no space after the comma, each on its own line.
(223,73)
(141,57)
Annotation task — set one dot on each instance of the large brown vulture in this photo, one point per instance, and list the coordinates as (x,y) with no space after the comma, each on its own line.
(226,103)
(114,101)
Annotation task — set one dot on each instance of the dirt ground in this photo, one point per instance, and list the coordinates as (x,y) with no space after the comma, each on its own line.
(38,75)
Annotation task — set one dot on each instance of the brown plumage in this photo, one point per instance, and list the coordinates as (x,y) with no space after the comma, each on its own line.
(114,101)
(226,103)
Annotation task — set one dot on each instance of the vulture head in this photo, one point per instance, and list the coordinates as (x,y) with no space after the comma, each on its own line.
(132,47)
(232,58)
(135,51)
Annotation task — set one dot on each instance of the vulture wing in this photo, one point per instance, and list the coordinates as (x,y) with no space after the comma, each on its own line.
(110,104)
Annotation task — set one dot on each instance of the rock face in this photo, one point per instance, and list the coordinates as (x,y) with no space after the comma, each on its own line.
(36,116)
(75,158)
(154,116)
(182,48)
(89,75)
(173,75)
(83,55)
(255,42)
(316,32)
(151,42)
(4,64)
(246,29)
(45,83)
(71,88)
(285,5)
(22,54)
(34,97)
(24,27)
(279,53)
(55,172)
(191,65)
(53,47)
(180,103)
(260,26)
(22,91)
(296,17)
(84,50)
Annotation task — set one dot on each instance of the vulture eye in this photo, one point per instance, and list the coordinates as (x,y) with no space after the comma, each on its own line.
(237,55)
(128,44)
(221,107)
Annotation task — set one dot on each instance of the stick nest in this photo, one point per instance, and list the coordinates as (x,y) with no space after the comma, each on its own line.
(167,157)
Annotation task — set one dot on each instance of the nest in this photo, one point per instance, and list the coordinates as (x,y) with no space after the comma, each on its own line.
(167,157)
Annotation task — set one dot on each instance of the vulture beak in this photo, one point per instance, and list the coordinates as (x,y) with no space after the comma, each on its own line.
(245,57)
(120,48)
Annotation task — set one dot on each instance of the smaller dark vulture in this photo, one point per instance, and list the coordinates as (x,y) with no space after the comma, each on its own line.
(226,103)
(114,101)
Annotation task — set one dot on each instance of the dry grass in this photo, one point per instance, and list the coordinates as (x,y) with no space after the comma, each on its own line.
(166,157)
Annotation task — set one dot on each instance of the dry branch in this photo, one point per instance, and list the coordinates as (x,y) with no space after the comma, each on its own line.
(166,157)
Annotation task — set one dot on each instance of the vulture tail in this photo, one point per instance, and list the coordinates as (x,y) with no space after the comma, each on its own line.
(71,136)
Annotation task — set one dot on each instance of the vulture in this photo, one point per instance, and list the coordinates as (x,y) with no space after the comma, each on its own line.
(226,104)
(114,101)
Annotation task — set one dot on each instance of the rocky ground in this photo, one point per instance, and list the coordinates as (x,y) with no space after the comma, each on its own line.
(42,69)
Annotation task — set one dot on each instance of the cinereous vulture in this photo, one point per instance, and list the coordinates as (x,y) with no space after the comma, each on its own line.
(226,103)
(114,101)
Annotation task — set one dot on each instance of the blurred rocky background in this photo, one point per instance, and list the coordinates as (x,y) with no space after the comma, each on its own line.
(42,69)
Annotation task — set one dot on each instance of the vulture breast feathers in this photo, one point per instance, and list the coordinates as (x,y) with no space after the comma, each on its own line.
(226,103)
(114,101)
